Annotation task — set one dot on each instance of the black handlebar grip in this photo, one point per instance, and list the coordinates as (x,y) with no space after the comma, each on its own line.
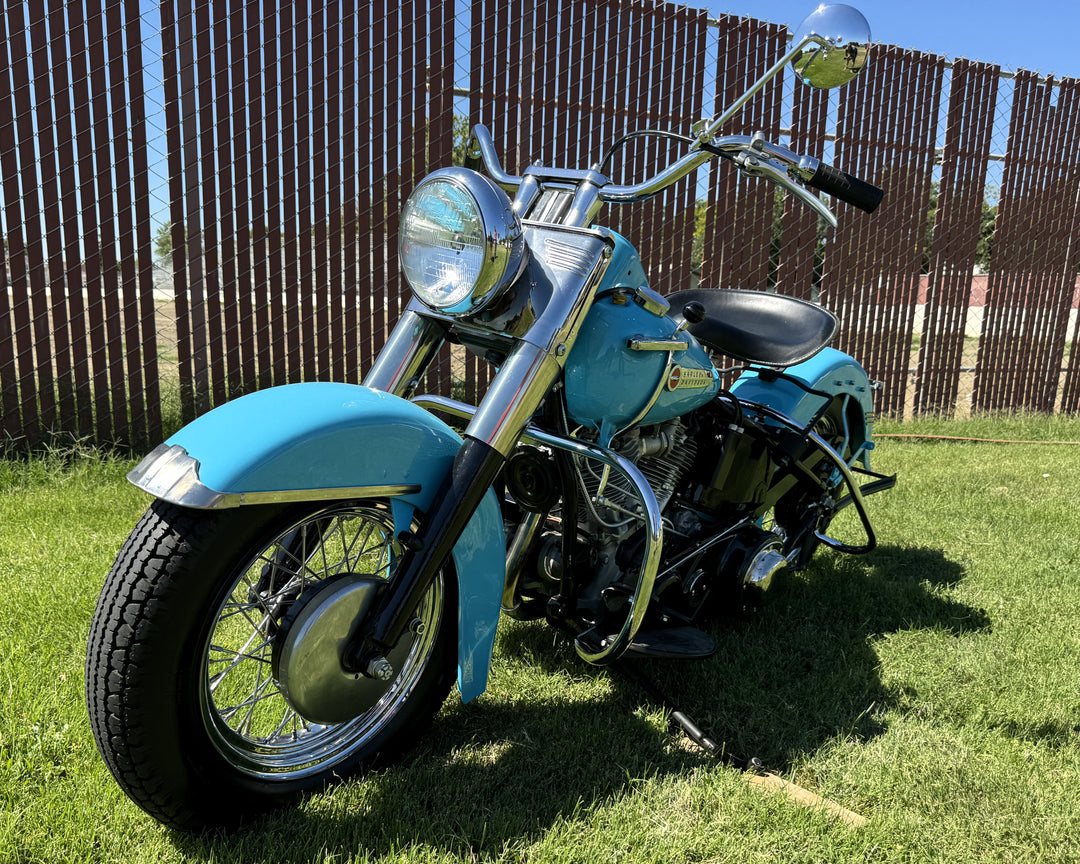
(833,181)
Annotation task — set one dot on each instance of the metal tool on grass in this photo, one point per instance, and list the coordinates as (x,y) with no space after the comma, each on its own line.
(752,768)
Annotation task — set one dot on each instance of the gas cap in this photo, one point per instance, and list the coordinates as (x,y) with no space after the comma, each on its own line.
(650,301)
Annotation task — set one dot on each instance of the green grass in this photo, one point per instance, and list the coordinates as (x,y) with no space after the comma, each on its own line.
(933,687)
(1014,426)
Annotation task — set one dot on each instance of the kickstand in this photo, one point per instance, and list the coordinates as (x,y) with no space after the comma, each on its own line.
(752,768)
(678,718)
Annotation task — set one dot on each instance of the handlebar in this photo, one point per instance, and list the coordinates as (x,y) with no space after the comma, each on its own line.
(846,187)
(480,151)
(751,153)
(678,169)
(813,172)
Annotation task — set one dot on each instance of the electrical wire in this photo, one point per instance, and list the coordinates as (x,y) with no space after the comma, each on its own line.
(654,133)
(917,436)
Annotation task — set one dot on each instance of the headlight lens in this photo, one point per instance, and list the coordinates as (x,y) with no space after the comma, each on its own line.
(461,242)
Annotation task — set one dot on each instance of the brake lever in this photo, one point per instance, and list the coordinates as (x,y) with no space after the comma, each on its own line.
(752,163)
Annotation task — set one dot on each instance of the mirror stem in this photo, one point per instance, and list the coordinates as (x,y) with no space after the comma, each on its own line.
(772,72)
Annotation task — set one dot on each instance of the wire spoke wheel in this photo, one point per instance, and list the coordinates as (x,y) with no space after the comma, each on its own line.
(247,716)
(187,706)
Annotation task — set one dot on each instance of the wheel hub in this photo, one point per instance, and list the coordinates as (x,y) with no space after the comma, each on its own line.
(309,647)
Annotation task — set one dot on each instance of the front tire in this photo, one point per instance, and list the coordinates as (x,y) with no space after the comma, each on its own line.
(181,682)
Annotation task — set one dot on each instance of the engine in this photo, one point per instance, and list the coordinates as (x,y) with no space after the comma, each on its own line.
(663,454)
(712,479)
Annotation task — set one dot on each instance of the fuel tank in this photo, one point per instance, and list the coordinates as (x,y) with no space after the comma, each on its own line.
(630,365)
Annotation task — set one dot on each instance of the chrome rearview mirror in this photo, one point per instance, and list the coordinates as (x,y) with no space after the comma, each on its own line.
(828,50)
(832,44)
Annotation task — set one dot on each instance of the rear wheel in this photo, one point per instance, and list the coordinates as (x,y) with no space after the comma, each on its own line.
(808,508)
(198,663)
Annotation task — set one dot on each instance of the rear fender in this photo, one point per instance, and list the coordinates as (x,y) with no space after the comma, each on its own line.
(829,371)
(325,442)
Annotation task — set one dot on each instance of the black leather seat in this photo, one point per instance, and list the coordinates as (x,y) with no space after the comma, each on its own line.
(755,326)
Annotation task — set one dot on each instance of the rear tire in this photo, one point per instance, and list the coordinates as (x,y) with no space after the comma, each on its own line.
(803,510)
(180,686)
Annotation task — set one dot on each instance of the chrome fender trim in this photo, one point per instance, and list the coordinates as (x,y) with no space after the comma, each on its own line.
(169,472)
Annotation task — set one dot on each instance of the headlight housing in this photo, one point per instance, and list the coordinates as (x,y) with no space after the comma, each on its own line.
(461,242)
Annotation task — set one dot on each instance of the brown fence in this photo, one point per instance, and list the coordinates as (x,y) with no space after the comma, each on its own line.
(272,147)
(77,340)
(293,138)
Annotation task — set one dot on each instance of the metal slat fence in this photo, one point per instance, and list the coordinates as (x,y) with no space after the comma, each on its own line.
(885,130)
(1037,255)
(964,163)
(293,136)
(200,199)
(77,334)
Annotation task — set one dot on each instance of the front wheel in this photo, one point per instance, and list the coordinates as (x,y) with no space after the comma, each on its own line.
(185,681)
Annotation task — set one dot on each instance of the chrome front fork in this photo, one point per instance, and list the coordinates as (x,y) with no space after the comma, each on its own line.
(405,357)
(524,379)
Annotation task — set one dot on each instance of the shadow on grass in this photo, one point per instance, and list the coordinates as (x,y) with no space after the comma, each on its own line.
(1051,735)
(498,773)
(804,672)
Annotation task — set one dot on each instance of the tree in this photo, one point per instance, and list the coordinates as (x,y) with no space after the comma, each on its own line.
(697,248)
(163,241)
(461,138)
(987,223)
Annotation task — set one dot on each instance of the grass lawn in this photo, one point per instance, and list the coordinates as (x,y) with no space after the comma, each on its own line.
(933,687)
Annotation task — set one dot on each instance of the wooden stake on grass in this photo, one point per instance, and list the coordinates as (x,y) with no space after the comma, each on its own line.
(804,797)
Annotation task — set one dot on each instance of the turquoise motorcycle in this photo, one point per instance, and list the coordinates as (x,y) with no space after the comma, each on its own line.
(322,562)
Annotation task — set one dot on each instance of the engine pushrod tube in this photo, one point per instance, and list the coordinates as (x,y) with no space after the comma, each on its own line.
(616,646)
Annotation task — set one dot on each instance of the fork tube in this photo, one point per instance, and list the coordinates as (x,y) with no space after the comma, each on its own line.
(518,389)
(475,468)
(406,355)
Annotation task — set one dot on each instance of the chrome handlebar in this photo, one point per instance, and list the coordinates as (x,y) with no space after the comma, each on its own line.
(821,52)
(481,148)
(752,154)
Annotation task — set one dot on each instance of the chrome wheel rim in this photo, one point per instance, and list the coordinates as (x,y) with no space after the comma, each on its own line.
(247,717)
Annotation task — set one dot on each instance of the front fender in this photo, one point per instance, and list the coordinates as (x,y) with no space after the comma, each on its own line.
(322,441)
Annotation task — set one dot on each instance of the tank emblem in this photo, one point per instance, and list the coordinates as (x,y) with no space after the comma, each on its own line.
(681,379)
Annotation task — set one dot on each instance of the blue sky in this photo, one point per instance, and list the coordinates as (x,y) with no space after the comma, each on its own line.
(1034,34)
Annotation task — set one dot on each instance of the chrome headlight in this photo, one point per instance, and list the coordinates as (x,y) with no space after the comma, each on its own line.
(461,242)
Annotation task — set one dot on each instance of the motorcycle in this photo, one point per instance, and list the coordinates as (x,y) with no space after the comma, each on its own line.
(323,561)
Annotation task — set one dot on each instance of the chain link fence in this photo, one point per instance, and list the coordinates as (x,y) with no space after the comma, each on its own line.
(200,200)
